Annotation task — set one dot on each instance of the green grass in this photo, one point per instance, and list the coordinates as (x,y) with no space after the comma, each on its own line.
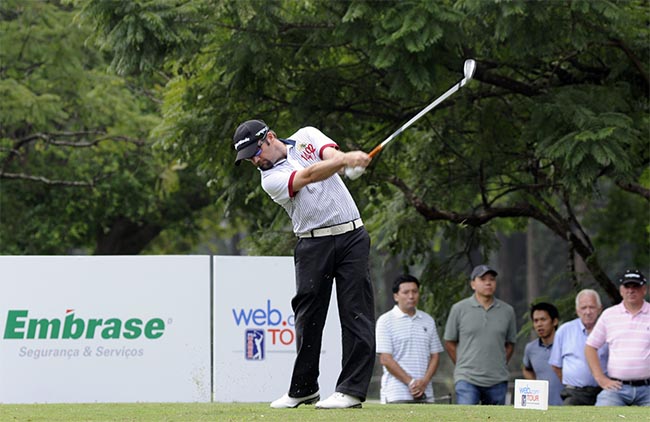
(371,412)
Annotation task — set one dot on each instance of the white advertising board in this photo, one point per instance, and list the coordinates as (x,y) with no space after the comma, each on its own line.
(254,338)
(104,329)
(531,394)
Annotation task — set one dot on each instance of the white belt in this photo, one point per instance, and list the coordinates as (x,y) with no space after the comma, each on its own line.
(333,230)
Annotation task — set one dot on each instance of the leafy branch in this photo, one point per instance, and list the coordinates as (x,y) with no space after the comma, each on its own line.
(567,228)
(45,180)
(53,138)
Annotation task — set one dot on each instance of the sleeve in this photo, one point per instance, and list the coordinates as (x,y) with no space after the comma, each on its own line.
(598,335)
(436,346)
(383,337)
(278,186)
(556,350)
(318,139)
(451,327)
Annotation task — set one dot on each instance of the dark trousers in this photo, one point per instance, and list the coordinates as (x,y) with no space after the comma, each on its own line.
(579,396)
(318,262)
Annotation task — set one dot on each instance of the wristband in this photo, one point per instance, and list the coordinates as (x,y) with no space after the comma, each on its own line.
(412,381)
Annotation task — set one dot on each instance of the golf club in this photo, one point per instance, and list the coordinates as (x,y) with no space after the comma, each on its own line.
(468,70)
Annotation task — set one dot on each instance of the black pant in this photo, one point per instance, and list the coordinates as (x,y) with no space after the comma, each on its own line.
(318,262)
(579,396)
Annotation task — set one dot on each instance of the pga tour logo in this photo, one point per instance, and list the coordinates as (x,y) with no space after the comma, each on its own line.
(254,344)
(260,323)
(529,395)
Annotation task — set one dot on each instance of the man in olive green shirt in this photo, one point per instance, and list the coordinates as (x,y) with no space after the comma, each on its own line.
(479,337)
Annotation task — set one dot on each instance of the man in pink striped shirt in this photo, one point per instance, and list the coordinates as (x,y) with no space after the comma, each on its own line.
(626,329)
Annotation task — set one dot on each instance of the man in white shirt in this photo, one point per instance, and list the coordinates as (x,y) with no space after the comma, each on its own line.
(408,346)
(568,354)
(301,175)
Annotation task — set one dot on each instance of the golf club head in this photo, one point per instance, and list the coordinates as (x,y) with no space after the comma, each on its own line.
(468,69)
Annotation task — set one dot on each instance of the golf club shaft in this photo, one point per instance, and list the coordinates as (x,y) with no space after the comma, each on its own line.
(469,67)
(424,111)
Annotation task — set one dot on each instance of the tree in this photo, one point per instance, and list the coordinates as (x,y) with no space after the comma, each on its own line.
(554,129)
(77,167)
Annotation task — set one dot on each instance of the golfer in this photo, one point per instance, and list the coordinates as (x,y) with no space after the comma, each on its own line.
(301,174)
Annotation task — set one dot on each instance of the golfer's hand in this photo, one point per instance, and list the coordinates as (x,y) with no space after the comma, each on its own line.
(356,163)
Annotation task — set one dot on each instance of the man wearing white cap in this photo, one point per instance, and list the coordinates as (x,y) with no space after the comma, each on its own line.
(625,328)
(301,175)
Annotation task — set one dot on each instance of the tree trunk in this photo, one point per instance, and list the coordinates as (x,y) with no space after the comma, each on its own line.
(126,237)
(510,262)
(532,266)
(383,279)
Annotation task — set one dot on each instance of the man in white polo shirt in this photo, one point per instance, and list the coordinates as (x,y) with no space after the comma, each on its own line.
(408,346)
(626,329)
(301,174)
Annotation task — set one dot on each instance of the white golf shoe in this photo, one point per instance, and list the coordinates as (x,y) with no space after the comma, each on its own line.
(339,401)
(286,402)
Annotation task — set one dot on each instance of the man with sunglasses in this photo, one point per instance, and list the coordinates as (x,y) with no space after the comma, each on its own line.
(625,328)
(302,175)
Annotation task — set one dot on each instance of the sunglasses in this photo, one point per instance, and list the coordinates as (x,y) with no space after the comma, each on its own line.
(259,146)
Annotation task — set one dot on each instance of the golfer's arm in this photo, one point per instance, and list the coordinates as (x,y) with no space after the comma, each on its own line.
(391,365)
(333,161)
(451,346)
(320,170)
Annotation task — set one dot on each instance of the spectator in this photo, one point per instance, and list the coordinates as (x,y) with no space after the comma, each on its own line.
(300,174)
(480,335)
(408,346)
(545,317)
(568,353)
(625,328)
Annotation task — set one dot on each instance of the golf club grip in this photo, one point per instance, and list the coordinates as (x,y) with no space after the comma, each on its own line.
(375,150)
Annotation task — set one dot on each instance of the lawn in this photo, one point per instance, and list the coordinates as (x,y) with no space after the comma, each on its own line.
(371,412)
